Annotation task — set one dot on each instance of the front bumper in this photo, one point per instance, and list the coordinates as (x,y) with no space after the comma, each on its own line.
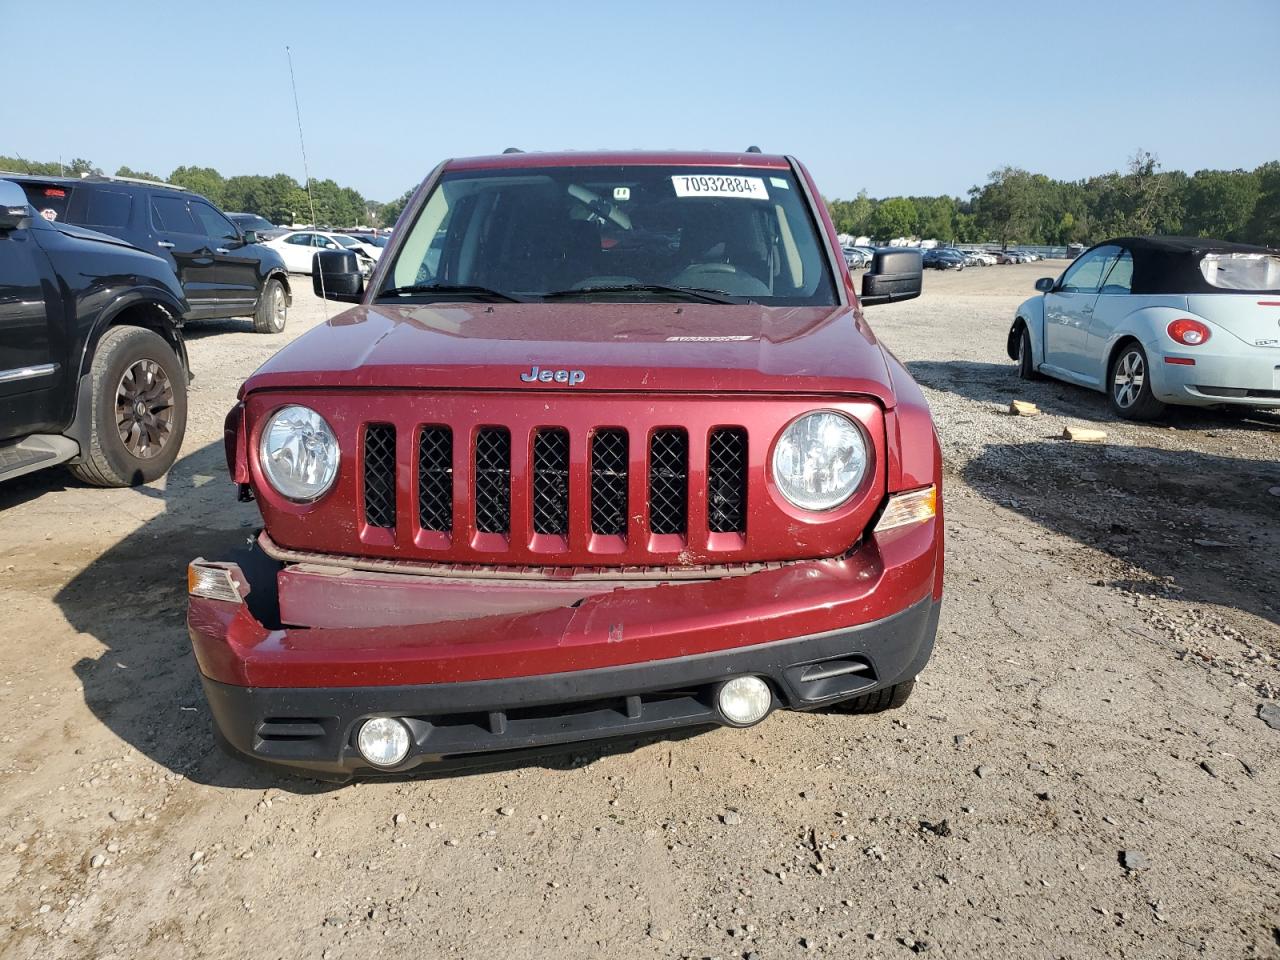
(314,729)
(482,667)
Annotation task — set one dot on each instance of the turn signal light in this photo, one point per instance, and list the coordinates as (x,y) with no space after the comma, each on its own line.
(1188,332)
(212,582)
(904,509)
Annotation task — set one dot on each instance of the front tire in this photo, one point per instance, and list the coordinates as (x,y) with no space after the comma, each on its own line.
(889,698)
(273,308)
(1026,359)
(138,414)
(1129,384)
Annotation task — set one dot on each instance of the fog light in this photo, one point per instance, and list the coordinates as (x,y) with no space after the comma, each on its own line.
(383,740)
(744,700)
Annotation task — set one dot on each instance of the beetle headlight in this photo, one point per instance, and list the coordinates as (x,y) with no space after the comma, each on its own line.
(299,453)
(819,460)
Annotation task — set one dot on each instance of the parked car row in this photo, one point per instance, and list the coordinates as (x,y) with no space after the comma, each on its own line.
(298,248)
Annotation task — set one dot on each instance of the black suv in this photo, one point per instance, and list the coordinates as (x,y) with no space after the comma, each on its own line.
(223,269)
(93,370)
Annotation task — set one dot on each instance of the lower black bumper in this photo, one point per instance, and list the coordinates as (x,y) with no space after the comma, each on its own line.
(313,729)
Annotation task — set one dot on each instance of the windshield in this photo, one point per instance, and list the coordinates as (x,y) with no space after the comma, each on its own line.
(251,221)
(345,240)
(746,234)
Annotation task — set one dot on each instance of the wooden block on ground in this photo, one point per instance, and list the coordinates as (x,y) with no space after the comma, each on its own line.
(1084,435)
(1024,408)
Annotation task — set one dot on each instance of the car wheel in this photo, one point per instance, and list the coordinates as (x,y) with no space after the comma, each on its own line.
(889,698)
(1129,384)
(1026,359)
(273,308)
(138,393)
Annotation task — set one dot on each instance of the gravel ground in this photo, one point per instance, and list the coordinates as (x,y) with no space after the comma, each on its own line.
(1082,772)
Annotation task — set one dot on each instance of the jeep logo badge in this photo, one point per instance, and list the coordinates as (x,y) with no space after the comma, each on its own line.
(539,375)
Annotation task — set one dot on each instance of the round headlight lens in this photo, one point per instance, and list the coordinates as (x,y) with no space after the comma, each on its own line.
(299,453)
(819,460)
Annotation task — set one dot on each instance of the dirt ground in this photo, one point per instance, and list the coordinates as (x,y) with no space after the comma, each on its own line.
(1081,773)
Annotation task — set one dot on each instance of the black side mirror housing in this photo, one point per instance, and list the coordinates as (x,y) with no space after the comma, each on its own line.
(1045,284)
(250,236)
(335,275)
(14,212)
(895,274)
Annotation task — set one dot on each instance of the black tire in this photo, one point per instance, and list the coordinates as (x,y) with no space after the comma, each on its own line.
(155,422)
(1129,384)
(888,698)
(1026,359)
(273,308)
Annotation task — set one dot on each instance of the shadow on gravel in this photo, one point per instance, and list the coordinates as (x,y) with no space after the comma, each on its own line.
(145,687)
(998,384)
(1206,525)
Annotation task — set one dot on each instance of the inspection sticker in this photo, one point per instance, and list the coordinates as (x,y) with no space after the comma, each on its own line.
(715,185)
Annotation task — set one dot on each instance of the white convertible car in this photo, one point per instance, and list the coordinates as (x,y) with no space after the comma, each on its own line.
(1157,320)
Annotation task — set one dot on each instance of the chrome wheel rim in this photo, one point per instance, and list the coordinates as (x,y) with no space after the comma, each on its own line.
(277,306)
(144,409)
(1129,378)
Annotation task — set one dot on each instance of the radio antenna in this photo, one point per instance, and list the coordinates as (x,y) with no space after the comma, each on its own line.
(306,171)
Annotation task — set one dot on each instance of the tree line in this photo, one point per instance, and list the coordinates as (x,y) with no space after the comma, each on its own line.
(280,198)
(1017,206)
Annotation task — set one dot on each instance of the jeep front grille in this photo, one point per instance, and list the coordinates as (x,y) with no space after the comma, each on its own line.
(435,479)
(380,475)
(493,480)
(668,481)
(727,481)
(551,481)
(609,452)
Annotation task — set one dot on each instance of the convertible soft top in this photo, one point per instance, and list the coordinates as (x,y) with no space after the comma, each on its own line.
(1172,264)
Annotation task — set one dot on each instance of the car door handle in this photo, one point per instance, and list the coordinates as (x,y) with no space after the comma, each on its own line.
(164,244)
(1086,309)
(222,250)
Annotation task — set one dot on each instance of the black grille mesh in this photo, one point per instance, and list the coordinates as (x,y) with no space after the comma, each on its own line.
(668,481)
(727,481)
(380,475)
(551,481)
(435,479)
(609,482)
(493,480)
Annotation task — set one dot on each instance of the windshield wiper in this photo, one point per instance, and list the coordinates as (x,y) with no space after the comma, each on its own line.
(451,289)
(698,294)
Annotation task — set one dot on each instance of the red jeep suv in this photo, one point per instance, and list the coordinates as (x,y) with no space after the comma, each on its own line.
(606,448)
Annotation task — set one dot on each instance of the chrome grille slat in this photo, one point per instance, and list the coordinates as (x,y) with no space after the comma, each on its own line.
(380,475)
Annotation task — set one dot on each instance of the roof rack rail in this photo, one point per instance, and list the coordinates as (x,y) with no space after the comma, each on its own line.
(513,150)
(140,180)
(753,149)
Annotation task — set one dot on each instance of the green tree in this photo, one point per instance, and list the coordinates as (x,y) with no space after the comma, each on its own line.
(894,217)
(138,174)
(1220,203)
(202,180)
(1007,206)
(391,211)
(1264,225)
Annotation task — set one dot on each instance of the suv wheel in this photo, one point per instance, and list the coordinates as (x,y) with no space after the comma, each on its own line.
(889,698)
(273,308)
(138,392)
(1129,384)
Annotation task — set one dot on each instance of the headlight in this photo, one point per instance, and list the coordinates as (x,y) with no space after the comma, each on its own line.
(299,453)
(819,460)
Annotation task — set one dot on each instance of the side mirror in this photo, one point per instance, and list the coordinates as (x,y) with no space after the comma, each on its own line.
(335,275)
(250,236)
(14,212)
(894,275)
(1045,284)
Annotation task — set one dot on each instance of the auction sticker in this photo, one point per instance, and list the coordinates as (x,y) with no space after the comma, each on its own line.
(715,185)
(49,214)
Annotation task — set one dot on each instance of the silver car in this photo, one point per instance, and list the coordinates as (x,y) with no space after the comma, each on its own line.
(1158,320)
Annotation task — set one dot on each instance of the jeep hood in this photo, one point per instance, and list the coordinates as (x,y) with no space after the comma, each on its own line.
(631,348)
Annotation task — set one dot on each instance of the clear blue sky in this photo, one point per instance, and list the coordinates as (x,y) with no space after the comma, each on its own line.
(914,97)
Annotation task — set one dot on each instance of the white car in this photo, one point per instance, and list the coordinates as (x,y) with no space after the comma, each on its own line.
(355,243)
(298,247)
(1157,320)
